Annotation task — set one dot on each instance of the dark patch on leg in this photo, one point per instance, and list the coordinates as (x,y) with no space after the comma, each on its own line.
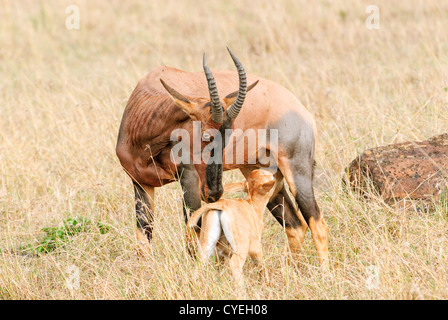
(189,181)
(143,212)
(213,176)
(305,198)
(310,210)
(283,209)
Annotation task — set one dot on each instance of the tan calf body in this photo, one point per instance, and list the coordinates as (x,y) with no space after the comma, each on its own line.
(233,227)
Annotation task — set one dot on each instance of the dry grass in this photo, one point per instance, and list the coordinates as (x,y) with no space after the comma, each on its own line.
(62,94)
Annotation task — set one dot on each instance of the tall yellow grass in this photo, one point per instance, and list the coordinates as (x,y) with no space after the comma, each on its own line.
(62,94)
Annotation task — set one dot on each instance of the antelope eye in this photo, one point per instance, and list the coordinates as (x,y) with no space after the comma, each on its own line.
(206,136)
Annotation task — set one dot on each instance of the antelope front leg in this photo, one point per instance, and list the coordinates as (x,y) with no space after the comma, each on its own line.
(144,206)
(189,181)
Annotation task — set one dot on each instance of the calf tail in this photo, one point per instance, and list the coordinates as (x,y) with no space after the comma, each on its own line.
(195,216)
(193,221)
(217,224)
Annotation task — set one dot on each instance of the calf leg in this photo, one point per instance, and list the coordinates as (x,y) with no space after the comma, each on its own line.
(236,264)
(256,253)
(144,206)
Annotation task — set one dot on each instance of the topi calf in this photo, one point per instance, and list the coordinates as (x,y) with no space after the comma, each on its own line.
(233,226)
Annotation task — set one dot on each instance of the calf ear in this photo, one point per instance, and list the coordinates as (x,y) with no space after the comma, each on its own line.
(231,97)
(181,101)
(236,187)
(268,185)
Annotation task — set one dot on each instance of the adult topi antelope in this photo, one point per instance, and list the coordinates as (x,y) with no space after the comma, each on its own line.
(155,109)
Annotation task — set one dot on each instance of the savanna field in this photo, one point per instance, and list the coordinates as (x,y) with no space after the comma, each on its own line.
(67,206)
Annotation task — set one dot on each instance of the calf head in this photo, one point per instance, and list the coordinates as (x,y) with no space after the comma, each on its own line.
(260,182)
(216,116)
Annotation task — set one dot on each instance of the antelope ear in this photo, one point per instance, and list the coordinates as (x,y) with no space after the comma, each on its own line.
(231,97)
(181,101)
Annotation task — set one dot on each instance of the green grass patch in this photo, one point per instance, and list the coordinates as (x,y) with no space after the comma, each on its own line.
(57,237)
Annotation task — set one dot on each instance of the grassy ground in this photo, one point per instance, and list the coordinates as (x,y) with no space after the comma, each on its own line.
(62,94)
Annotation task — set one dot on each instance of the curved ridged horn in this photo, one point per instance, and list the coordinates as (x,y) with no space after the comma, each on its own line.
(216,108)
(236,106)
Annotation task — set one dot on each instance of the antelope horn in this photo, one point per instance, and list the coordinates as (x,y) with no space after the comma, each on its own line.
(216,108)
(236,106)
